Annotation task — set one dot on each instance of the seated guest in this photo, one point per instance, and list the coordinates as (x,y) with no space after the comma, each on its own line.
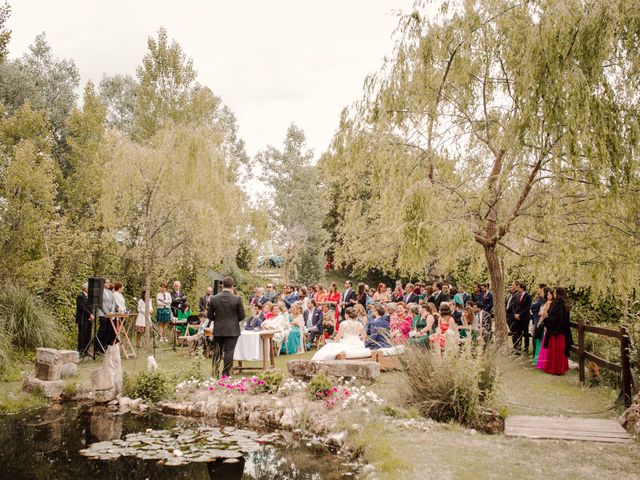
(279,322)
(468,324)
(184,311)
(328,319)
(423,324)
(255,322)
(316,322)
(457,313)
(378,331)
(361,314)
(400,324)
(447,331)
(198,337)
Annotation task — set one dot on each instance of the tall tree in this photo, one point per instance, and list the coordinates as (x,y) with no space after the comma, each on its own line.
(118,94)
(165,81)
(508,107)
(5,33)
(295,205)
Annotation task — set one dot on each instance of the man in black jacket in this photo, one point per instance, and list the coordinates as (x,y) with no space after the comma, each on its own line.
(205,299)
(316,322)
(347,299)
(226,312)
(84,317)
(522,314)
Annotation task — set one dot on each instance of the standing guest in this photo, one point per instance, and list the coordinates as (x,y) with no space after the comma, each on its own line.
(84,317)
(205,299)
(381,294)
(296,328)
(558,339)
(410,296)
(538,312)
(144,302)
(316,322)
(483,321)
(398,293)
(457,312)
(178,298)
(544,312)
(468,324)
(106,335)
(118,298)
(320,295)
(303,298)
(348,299)
(522,315)
(476,295)
(163,302)
(509,306)
(487,298)
(361,295)
(437,297)
(226,312)
(461,297)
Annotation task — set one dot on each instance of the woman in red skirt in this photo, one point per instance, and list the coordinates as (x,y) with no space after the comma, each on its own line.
(558,339)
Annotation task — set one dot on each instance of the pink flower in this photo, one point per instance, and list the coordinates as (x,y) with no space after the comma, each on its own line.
(261,382)
(335,389)
(224,376)
(210,389)
(346,392)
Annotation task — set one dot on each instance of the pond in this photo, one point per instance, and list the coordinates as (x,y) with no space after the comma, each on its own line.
(46,445)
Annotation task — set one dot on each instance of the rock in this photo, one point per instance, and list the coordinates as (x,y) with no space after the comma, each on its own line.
(104,395)
(84,393)
(337,439)
(109,375)
(69,356)
(198,408)
(173,408)
(317,426)
(273,417)
(48,371)
(227,410)
(490,421)
(368,469)
(48,355)
(51,389)
(630,419)
(366,371)
(256,420)
(289,418)
(211,409)
(68,370)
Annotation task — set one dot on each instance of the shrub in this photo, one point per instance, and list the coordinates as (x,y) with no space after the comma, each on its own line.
(318,385)
(272,381)
(25,323)
(150,386)
(452,385)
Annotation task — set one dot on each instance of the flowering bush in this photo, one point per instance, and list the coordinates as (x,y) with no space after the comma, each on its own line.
(290,386)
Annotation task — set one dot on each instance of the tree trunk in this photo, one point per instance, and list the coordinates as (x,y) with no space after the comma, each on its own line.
(497,283)
(147,287)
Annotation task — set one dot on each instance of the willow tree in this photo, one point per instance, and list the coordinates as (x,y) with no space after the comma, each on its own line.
(507,106)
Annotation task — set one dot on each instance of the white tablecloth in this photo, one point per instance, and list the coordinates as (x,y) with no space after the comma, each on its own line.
(249,346)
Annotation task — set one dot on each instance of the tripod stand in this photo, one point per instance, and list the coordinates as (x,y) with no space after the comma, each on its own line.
(95,339)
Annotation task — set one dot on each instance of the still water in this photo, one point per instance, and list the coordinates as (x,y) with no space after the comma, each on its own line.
(45,445)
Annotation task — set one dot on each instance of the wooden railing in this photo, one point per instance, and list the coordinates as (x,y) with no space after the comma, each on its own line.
(624,368)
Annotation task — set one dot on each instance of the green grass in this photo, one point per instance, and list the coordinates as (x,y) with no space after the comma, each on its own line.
(14,401)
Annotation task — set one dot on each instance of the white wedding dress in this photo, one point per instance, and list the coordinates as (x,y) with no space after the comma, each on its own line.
(351,344)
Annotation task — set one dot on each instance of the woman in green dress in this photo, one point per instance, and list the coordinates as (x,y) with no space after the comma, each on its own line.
(294,340)
(423,325)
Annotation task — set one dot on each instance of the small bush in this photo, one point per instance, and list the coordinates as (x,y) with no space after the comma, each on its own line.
(193,371)
(318,385)
(272,381)
(452,385)
(150,386)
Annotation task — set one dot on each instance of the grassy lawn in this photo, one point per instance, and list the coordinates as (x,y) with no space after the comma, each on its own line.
(451,451)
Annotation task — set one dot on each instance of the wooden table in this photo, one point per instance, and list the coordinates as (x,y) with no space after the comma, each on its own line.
(118,323)
(267,351)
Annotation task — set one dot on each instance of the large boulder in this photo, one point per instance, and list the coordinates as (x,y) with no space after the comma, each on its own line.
(68,370)
(69,356)
(51,389)
(48,371)
(49,356)
(363,371)
(630,419)
(107,380)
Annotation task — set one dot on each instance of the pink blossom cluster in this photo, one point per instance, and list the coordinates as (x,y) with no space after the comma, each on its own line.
(331,396)
(243,385)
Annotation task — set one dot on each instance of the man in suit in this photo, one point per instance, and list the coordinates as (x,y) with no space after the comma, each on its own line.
(487,298)
(379,330)
(84,317)
(509,305)
(316,322)
(409,296)
(522,315)
(226,312)
(205,299)
(290,295)
(437,297)
(272,294)
(348,298)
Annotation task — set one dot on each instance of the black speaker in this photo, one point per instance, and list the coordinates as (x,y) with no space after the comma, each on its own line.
(96,287)
(217,286)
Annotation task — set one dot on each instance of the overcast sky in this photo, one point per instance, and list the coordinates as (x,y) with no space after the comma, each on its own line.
(272,61)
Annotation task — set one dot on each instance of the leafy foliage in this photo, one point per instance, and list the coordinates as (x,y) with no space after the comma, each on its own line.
(318,385)
(150,386)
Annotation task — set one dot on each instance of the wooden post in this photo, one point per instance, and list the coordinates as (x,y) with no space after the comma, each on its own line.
(626,368)
(581,350)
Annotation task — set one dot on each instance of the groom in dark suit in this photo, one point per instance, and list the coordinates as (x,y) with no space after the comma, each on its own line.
(226,312)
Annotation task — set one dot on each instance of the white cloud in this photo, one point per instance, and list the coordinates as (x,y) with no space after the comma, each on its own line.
(273,62)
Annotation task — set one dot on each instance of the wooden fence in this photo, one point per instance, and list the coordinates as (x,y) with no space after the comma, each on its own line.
(624,368)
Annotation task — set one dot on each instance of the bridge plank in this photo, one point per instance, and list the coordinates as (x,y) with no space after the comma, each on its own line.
(568,428)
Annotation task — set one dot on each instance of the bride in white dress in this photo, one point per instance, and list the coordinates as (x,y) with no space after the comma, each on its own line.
(349,340)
